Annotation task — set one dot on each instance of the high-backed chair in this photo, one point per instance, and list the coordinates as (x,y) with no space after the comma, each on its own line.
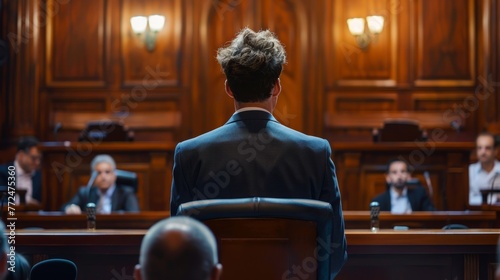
(126,178)
(54,269)
(266,238)
(397,130)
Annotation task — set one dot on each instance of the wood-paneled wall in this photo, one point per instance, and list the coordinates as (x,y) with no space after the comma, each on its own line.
(436,60)
(73,61)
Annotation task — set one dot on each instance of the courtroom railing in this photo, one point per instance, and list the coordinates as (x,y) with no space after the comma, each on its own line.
(353,220)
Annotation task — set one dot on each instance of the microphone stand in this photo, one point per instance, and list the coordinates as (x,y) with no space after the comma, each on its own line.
(492,186)
(90,183)
(429,183)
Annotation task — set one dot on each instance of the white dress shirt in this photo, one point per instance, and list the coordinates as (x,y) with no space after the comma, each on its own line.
(24,181)
(104,204)
(479,180)
(400,203)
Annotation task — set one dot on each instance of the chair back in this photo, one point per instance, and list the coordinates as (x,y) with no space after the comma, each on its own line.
(126,178)
(400,130)
(266,238)
(54,269)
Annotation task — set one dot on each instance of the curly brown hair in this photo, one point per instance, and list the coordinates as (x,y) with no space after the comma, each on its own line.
(252,63)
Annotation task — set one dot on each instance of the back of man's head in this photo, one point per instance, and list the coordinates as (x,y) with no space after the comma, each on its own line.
(252,64)
(178,248)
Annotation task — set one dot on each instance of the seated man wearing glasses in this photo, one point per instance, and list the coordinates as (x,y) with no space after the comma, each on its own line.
(24,172)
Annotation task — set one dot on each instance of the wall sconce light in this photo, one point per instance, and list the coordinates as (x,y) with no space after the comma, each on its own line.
(357,28)
(140,26)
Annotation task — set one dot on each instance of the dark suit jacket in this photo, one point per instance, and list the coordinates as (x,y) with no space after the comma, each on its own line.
(36,180)
(419,200)
(254,155)
(123,199)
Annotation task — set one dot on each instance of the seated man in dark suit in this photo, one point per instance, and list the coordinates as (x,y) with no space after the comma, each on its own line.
(27,169)
(399,198)
(108,196)
(253,154)
(178,248)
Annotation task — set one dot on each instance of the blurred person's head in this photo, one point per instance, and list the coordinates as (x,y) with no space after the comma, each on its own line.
(178,248)
(4,249)
(397,174)
(28,156)
(486,148)
(105,167)
(22,269)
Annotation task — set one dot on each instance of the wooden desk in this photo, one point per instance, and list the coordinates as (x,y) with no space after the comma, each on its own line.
(353,220)
(361,168)
(66,167)
(422,220)
(59,220)
(387,254)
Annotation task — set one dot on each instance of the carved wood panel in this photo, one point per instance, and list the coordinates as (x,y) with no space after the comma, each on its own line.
(76,44)
(162,66)
(445,42)
(349,64)
(287,19)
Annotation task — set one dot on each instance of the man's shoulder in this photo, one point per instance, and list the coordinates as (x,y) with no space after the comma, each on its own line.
(4,168)
(382,196)
(474,168)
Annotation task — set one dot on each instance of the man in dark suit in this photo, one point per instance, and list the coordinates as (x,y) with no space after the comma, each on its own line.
(108,196)
(400,198)
(27,170)
(253,154)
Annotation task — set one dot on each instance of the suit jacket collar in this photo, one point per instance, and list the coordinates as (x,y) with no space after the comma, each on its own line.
(251,115)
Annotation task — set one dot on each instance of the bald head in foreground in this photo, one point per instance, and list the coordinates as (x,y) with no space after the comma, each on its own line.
(178,248)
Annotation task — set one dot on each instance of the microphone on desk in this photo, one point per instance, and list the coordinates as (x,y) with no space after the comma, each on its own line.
(429,183)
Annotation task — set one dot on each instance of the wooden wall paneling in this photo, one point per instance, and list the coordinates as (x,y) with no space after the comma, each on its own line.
(289,21)
(348,176)
(358,126)
(4,74)
(456,175)
(361,102)
(221,20)
(161,67)
(496,47)
(350,66)
(459,111)
(314,98)
(24,39)
(492,9)
(76,42)
(372,183)
(445,53)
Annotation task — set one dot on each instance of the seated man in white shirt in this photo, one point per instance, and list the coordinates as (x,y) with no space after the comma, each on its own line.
(26,168)
(108,196)
(399,198)
(483,174)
